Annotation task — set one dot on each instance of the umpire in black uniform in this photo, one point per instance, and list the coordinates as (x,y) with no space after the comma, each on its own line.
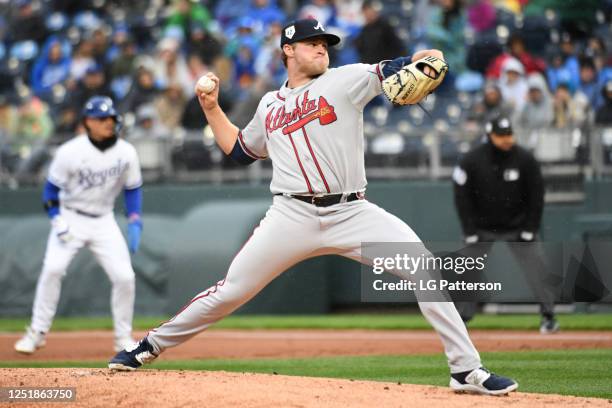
(499,196)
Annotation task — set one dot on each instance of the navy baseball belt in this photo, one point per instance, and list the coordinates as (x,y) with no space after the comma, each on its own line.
(327,199)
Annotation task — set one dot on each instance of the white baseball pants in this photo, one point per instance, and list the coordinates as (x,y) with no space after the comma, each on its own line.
(103,237)
(293,231)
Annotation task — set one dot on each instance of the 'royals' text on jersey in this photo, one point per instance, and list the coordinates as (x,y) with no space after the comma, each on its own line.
(314,133)
(90,179)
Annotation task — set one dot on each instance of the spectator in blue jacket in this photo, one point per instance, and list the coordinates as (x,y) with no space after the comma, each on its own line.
(229,11)
(51,67)
(243,34)
(589,83)
(244,63)
(564,67)
(264,13)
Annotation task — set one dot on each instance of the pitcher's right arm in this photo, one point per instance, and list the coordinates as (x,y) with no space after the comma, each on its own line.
(226,133)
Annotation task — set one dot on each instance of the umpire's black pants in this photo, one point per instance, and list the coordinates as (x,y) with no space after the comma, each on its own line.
(531,260)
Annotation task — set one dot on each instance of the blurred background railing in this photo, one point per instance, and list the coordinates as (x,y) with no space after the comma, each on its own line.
(397,147)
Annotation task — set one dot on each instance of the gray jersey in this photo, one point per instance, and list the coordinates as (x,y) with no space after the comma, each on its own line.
(314,133)
(314,136)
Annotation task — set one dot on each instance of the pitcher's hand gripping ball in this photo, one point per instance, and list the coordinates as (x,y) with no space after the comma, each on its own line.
(415,81)
(205,85)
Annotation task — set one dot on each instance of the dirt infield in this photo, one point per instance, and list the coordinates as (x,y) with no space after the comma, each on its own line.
(101,388)
(150,388)
(79,346)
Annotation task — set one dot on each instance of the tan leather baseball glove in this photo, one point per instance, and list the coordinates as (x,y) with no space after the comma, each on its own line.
(410,84)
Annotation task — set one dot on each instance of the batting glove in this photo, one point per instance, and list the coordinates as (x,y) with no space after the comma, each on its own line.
(61,228)
(134,232)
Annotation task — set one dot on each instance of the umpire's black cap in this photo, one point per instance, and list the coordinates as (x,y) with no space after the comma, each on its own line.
(501,125)
(299,30)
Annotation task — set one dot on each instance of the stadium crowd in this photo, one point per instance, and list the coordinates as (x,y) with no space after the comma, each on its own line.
(546,63)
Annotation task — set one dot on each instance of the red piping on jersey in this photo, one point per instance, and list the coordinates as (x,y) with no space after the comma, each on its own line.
(380,76)
(301,167)
(278,95)
(246,149)
(212,289)
(314,158)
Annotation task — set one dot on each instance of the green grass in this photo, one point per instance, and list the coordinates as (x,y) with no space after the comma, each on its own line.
(356,321)
(585,373)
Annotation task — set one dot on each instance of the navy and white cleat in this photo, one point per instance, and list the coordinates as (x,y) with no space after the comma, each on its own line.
(482,381)
(131,358)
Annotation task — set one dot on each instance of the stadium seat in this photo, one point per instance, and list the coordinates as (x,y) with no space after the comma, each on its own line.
(24,50)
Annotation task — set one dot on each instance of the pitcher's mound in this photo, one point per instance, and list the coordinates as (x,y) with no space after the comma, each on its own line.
(103,388)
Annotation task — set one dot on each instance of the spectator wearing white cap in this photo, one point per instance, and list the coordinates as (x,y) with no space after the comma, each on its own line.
(171,66)
(513,84)
(538,110)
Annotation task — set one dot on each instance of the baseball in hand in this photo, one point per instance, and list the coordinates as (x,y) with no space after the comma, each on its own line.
(205,85)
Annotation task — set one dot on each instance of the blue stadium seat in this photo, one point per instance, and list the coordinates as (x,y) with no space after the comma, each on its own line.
(24,50)
(87,20)
(57,22)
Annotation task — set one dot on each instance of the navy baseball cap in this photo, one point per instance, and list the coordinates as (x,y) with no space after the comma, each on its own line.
(99,107)
(300,30)
(500,126)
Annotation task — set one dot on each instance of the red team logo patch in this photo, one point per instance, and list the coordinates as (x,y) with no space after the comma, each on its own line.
(304,113)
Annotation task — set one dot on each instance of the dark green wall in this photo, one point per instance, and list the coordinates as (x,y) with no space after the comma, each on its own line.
(426,206)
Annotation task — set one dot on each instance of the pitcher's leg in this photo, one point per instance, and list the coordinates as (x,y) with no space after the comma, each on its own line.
(373,224)
(48,288)
(460,351)
(112,253)
(277,244)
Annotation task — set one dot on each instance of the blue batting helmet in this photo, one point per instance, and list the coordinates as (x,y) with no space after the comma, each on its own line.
(100,107)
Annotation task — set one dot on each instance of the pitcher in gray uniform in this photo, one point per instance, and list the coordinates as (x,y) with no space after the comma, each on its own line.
(312,130)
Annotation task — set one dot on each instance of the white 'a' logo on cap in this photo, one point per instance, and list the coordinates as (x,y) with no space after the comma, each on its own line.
(504,123)
(289,32)
(319,26)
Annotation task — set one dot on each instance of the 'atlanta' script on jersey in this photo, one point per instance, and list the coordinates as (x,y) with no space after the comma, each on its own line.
(306,110)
